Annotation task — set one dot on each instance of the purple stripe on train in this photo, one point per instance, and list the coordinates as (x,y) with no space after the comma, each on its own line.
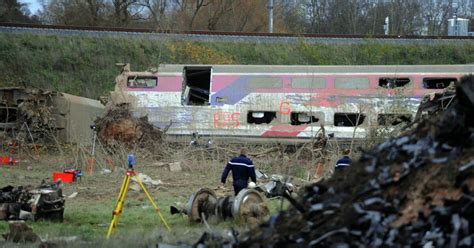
(232,93)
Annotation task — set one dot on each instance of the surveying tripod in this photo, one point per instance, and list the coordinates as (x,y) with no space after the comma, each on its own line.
(123,193)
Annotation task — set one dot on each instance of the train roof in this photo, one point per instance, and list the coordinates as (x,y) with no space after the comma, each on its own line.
(467,68)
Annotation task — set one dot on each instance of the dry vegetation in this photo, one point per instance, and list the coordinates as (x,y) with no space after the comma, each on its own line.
(88,214)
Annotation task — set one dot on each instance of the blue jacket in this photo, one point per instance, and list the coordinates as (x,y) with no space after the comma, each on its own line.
(242,169)
(344,162)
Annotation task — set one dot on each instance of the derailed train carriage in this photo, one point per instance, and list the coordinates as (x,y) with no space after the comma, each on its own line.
(280,102)
(43,116)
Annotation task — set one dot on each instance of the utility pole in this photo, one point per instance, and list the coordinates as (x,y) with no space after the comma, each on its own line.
(455,17)
(270,16)
(386,26)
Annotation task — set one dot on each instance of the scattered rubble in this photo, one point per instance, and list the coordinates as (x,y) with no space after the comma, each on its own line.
(45,202)
(435,103)
(119,125)
(175,167)
(146,180)
(273,186)
(413,190)
(73,195)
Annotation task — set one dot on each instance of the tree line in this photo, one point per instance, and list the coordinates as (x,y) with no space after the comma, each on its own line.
(367,17)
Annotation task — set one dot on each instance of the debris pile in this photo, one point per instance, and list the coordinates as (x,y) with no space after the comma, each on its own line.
(37,110)
(119,125)
(435,103)
(413,190)
(25,110)
(40,116)
(45,202)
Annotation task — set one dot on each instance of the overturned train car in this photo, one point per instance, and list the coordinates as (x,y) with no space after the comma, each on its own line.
(280,102)
(47,116)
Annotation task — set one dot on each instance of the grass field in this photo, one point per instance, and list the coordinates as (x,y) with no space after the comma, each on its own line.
(88,215)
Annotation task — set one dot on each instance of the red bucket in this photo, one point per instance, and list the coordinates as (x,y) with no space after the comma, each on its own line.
(65,177)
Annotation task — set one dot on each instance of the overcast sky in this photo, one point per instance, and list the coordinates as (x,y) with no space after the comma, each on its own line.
(33,5)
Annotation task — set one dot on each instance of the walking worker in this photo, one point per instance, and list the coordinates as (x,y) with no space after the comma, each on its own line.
(345,161)
(242,169)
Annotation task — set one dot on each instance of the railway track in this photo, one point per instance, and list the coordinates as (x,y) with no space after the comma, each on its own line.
(219,36)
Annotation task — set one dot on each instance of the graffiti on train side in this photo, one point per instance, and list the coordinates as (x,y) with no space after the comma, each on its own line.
(285,108)
(226,120)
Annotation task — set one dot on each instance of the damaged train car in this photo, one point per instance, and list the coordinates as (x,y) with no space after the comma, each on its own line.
(45,116)
(280,102)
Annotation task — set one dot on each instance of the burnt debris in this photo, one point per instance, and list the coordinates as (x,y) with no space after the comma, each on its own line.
(413,190)
(44,202)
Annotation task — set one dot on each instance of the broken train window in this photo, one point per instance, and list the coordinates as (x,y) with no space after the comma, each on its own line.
(391,83)
(196,85)
(7,115)
(438,83)
(302,118)
(393,119)
(348,119)
(260,117)
(141,81)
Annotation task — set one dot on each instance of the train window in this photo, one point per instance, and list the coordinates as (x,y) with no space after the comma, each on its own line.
(265,82)
(391,83)
(438,83)
(7,115)
(308,83)
(303,118)
(260,117)
(197,85)
(393,119)
(352,83)
(141,82)
(348,119)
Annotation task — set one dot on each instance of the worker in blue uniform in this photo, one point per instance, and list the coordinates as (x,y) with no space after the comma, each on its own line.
(345,161)
(242,170)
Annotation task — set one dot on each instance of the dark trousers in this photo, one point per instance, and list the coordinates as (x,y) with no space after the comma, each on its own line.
(340,168)
(238,188)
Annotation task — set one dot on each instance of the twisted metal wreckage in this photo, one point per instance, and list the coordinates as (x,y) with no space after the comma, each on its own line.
(44,202)
(36,115)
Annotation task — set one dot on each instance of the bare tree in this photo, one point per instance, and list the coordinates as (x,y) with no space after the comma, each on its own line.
(95,9)
(14,11)
(218,9)
(158,11)
(126,11)
(196,8)
(435,15)
(405,17)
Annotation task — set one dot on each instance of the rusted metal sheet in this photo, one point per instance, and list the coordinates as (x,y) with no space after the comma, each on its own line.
(274,102)
(48,115)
